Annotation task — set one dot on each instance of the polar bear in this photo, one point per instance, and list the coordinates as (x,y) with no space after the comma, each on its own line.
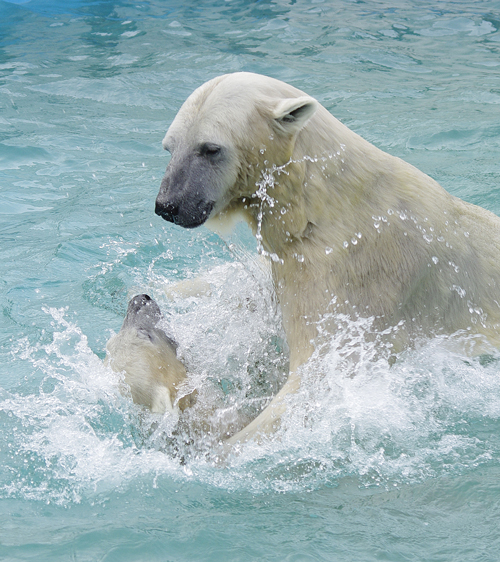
(147,357)
(348,229)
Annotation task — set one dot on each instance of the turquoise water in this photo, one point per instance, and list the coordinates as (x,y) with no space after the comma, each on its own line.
(395,464)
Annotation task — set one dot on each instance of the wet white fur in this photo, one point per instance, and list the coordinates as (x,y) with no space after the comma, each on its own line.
(150,366)
(349,228)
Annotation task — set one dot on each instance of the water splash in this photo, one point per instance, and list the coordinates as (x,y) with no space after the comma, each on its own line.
(75,436)
(267,182)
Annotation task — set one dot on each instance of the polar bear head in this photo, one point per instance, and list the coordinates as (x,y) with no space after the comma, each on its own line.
(146,356)
(228,131)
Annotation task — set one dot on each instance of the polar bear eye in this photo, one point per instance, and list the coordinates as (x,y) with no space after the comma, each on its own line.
(210,150)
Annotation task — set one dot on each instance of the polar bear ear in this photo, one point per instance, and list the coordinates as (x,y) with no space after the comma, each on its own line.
(290,115)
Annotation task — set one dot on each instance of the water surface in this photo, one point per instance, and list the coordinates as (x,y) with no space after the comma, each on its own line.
(393,464)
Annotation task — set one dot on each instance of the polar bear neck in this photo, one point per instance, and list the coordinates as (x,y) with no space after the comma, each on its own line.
(317,219)
(330,191)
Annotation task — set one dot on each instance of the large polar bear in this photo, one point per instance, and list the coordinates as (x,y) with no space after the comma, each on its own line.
(349,229)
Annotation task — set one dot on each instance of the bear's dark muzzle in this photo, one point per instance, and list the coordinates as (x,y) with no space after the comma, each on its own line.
(187,216)
(167,210)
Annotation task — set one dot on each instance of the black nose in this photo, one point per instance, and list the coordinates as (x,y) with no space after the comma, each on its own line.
(167,211)
(183,214)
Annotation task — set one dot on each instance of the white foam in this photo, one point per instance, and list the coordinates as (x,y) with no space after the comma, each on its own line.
(421,418)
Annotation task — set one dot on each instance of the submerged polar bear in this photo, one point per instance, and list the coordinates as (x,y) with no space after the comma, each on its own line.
(148,359)
(349,229)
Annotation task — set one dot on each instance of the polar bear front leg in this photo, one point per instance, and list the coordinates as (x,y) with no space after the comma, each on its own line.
(269,419)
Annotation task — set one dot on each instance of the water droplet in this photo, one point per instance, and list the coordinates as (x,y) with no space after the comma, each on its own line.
(461,293)
(435,259)
(346,244)
(328,250)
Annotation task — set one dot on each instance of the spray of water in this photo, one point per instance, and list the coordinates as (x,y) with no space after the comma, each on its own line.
(78,434)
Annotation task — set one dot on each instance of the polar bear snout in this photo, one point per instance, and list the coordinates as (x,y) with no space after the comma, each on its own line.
(184,201)
(142,312)
(187,216)
(166,209)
